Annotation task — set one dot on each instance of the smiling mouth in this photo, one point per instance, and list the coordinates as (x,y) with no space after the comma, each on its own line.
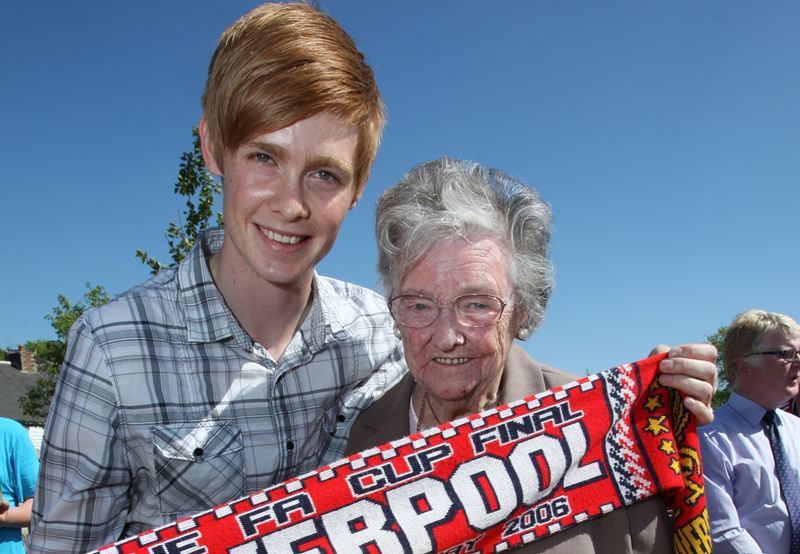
(283,239)
(451,361)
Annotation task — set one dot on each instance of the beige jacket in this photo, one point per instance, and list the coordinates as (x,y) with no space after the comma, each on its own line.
(643,528)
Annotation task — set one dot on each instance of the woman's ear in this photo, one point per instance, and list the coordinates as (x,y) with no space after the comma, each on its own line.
(522,329)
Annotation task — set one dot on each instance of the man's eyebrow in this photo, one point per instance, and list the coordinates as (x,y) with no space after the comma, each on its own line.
(269,147)
(336,163)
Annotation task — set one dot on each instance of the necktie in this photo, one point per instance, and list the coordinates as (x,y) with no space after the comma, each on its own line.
(787,477)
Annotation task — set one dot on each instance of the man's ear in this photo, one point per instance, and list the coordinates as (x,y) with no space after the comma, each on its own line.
(207,147)
(742,367)
(356,197)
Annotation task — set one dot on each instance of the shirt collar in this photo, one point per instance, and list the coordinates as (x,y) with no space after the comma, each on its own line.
(324,323)
(208,319)
(750,411)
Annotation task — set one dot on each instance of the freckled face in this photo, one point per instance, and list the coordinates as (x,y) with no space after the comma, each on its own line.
(455,363)
(767,380)
(286,194)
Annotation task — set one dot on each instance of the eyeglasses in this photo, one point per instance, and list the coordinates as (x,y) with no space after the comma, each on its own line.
(787,355)
(471,310)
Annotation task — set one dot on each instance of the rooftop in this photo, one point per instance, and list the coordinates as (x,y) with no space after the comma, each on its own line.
(15,384)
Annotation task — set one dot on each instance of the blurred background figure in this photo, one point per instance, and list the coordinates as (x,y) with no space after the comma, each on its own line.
(18,469)
(791,406)
(751,455)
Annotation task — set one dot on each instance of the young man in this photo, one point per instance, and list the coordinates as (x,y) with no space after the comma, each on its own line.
(240,367)
(751,455)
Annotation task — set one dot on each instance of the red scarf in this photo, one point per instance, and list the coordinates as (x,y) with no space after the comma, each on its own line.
(485,483)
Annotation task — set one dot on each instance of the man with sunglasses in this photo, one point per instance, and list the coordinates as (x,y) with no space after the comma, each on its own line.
(751,455)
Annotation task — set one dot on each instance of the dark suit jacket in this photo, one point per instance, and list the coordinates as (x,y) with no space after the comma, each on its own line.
(643,528)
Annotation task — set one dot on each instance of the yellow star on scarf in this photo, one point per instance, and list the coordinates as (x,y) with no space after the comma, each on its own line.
(655,425)
(667,447)
(675,465)
(653,403)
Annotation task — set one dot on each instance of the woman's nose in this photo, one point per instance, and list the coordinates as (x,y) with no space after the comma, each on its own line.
(447,333)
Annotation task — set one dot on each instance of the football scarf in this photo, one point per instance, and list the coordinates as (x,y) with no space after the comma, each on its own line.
(489,482)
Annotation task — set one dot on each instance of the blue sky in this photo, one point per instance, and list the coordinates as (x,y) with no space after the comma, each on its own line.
(665,135)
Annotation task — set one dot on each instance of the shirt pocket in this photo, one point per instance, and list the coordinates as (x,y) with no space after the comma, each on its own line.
(198,465)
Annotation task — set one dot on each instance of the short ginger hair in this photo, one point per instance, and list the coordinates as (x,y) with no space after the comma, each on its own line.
(282,63)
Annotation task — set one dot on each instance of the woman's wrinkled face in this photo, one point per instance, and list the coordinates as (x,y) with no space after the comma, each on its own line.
(456,362)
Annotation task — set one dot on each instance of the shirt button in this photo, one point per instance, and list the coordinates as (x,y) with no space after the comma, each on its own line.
(197,452)
(289,445)
(340,418)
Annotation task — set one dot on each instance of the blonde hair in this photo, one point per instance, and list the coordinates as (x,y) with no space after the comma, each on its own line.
(746,332)
(282,63)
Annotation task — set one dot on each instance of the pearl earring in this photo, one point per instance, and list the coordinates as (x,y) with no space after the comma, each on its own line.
(397,332)
(523,333)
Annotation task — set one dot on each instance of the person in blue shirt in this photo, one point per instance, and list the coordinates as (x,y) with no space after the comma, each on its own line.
(18,469)
(750,497)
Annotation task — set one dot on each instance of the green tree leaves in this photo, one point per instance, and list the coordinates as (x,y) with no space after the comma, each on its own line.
(198,185)
(722,393)
(50,353)
(201,191)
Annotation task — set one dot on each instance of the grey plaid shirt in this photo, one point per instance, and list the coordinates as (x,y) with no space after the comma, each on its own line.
(166,407)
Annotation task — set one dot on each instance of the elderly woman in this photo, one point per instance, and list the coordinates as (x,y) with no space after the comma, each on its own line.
(463,259)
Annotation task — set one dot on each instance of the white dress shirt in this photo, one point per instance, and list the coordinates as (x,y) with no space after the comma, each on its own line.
(745,508)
